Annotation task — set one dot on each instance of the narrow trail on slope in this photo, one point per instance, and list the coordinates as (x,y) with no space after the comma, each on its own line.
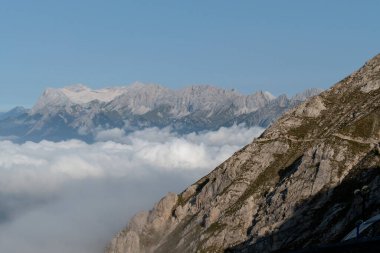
(340,136)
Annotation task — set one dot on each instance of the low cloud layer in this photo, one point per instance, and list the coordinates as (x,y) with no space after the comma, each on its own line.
(72,197)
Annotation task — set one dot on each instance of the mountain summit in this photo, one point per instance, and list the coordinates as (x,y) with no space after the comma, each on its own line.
(290,188)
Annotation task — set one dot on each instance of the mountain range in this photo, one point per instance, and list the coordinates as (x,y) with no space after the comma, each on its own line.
(307,180)
(79,112)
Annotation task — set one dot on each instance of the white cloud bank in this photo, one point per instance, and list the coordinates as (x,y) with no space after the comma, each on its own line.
(72,197)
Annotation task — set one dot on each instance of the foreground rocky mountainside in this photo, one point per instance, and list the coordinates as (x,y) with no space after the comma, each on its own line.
(290,188)
(80,112)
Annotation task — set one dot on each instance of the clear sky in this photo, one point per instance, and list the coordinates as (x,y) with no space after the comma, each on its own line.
(279,46)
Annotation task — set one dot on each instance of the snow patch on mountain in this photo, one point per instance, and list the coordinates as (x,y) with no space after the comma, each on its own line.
(81,94)
(78,94)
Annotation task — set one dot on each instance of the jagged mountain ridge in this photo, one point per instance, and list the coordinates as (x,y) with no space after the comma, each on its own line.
(79,112)
(290,188)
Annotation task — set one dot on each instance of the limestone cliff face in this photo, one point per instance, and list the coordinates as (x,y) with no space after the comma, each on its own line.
(290,188)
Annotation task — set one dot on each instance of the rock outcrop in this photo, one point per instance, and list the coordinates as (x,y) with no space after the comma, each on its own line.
(290,188)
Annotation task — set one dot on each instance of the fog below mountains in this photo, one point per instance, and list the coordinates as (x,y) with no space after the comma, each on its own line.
(73,197)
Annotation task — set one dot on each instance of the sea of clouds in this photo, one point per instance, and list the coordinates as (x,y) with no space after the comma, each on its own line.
(72,196)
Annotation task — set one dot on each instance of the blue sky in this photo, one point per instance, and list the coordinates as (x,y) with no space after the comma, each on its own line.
(279,46)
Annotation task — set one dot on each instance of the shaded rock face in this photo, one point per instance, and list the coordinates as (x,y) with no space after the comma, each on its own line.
(290,188)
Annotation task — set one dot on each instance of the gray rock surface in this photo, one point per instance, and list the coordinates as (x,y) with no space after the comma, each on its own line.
(290,188)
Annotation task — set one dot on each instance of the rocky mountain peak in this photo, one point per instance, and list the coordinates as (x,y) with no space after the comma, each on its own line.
(146,87)
(290,188)
(77,87)
(13,113)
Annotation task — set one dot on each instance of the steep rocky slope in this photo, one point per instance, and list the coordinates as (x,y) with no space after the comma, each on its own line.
(291,187)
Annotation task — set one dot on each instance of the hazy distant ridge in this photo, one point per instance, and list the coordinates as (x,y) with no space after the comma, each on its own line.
(80,112)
